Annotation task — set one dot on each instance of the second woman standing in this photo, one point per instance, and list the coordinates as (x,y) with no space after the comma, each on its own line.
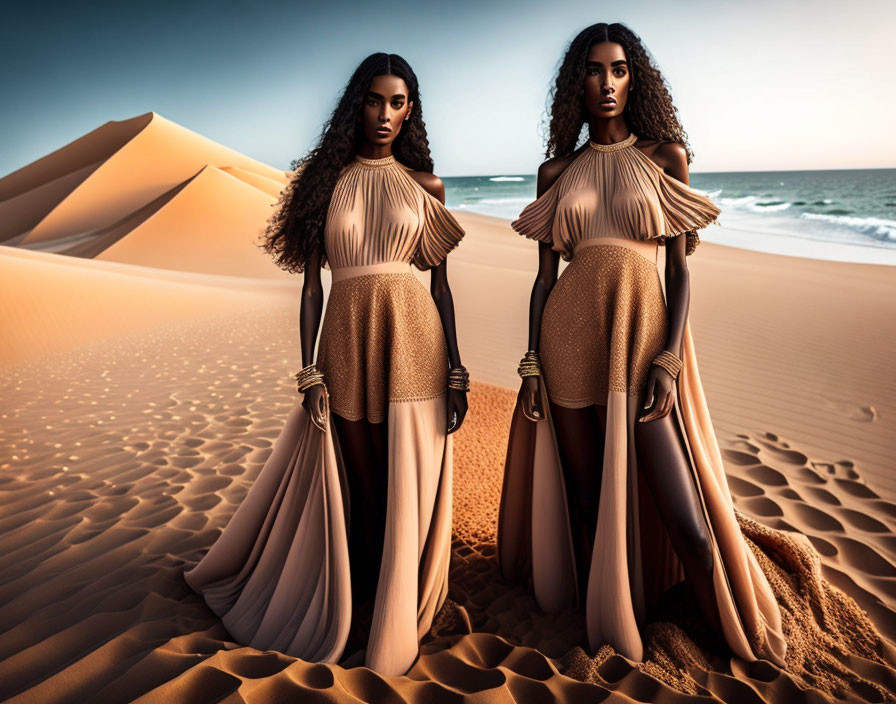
(613,488)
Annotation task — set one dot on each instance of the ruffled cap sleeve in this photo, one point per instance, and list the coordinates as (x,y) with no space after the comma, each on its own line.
(684,210)
(536,221)
(683,207)
(440,233)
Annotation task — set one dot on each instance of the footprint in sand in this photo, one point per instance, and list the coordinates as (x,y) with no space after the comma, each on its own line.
(810,476)
(740,458)
(823,546)
(743,488)
(855,488)
(886,508)
(862,521)
(823,495)
(864,558)
(847,468)
(783,455)
(862,414)
(767,476)
(744,445)
(816,518)
(763,506)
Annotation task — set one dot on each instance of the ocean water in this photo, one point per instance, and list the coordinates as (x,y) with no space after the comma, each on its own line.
(847,215)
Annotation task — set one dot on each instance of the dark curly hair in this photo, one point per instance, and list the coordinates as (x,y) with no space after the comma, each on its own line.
(649,112)
(296,230)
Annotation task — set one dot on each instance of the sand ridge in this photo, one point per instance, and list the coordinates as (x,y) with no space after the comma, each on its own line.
(28,194)
(160,155)
(146,191)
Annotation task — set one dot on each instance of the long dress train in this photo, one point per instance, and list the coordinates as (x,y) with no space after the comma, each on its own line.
(603,323)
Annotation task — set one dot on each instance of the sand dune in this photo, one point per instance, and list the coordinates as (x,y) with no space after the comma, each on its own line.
(271,186)
(158,157)
(28,194)
(151,194)
(212,225)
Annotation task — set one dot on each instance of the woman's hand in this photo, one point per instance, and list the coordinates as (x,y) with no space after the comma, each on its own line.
(532,398)
(316,404)
(457,409)
(659,395)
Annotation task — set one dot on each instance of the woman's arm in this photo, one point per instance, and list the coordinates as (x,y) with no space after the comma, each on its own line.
(548,264)
(312,304)
(311,308)
(659,398)
(441,296)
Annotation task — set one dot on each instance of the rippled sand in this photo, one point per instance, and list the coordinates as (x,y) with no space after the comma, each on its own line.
(126,459)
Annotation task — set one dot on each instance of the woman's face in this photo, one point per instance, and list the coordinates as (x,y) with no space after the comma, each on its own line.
(607,80)
(386,107)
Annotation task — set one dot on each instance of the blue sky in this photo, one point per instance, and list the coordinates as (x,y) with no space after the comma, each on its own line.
(760,85)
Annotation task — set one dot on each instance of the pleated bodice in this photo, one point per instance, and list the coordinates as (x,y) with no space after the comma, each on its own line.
(379,214)
(613,190)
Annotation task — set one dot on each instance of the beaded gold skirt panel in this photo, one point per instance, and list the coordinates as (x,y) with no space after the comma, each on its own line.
(381,341)
(603,323)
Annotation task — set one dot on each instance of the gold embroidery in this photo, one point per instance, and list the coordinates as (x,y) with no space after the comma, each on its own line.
(603,324)
(381,341)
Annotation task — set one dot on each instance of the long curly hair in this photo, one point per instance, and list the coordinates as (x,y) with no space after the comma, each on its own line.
(649,111)
(296,231)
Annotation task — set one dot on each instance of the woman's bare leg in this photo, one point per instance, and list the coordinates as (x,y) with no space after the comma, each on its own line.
(580,440)
(662,458)
(363,448)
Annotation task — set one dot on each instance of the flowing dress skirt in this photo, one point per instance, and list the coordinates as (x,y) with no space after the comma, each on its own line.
(603,324)
(278,576)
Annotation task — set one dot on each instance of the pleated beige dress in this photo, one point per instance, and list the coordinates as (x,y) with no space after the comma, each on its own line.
(278,576)
(604,322)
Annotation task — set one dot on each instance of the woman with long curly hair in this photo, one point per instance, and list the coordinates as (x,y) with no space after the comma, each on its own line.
(343,542)
(614,488)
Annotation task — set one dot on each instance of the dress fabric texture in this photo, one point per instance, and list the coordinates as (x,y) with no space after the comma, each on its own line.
(278,576)
(603,323)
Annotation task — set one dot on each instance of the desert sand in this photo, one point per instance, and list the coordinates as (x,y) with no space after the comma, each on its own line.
(141,396)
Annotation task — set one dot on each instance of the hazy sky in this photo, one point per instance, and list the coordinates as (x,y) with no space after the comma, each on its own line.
(759,85)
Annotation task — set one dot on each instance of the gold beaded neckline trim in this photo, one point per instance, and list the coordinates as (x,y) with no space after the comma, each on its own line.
(375,163)
(616,146)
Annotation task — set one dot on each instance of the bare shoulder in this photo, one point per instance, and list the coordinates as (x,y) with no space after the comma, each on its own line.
(552,169)
(671,157)
(430,183)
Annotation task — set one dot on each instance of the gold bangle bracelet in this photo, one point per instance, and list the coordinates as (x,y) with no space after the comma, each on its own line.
(459,378)
(670,362)
(307,377)
(530,364)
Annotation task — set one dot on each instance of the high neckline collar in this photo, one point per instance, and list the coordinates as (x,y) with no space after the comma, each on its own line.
(616,146)
(375,163)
